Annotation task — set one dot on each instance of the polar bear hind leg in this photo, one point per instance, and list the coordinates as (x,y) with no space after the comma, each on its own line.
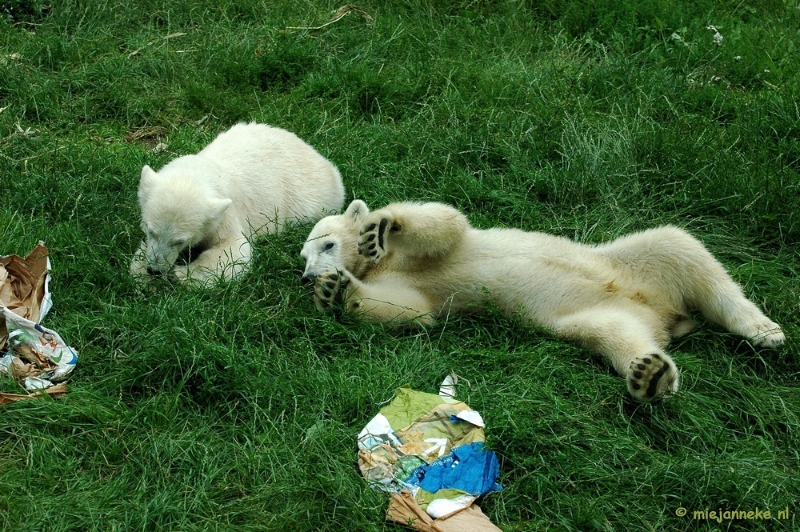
(691,276)
(722,301)
(628,340)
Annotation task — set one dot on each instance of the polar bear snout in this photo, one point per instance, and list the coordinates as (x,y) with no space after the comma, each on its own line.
(160,255)
(160,263)
(307,278)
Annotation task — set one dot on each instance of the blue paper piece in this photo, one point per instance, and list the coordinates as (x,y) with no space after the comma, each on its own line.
(470,468)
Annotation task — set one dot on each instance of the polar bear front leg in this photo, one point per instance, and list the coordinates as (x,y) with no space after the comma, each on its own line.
(138,269)
(227,260)
(411,231)
(330,289)
(373,237)
(388,300)
(139,264)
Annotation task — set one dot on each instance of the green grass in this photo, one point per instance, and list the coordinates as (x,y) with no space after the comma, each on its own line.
(237,407)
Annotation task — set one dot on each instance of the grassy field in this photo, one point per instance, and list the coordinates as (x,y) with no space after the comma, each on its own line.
(237,407)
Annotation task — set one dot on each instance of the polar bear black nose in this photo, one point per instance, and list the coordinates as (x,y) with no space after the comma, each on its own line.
(152,271)
(306,279)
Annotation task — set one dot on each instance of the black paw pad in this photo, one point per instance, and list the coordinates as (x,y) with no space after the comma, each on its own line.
(653,387)
(650,376)
(381,231)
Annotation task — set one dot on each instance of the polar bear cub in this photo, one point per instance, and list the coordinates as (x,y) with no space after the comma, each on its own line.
(625,299)
(251,179)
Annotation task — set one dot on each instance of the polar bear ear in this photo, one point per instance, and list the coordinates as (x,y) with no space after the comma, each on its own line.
(217,208)
(357,210)
(149,177)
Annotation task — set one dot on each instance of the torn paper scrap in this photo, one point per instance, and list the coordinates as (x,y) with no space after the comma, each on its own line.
(469,468)
(23,286)
(448,387)
(33,354)
(38,352)
(54,391)
(404,509)
(432,448)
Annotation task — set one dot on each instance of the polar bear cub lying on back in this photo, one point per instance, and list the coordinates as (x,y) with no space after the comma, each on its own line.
(625,299)
(250,179)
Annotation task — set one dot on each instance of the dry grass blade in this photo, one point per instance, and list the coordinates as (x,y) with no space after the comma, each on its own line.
(151,43)
(147,132)
(337,16)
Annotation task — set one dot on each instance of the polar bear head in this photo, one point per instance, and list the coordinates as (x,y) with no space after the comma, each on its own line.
(176,213)
(333,243)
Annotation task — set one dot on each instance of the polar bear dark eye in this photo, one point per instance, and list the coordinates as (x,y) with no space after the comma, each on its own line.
(328,246)
(179,242)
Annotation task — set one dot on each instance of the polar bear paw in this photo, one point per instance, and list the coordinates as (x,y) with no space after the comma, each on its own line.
(372,237)
(652,376)
(767,334)
(329,288)
(179,273)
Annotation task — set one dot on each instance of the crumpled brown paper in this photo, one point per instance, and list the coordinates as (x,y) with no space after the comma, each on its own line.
(53,391)
(404,509)
(22,286)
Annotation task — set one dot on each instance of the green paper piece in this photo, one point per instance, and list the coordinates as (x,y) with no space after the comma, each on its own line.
(409,405)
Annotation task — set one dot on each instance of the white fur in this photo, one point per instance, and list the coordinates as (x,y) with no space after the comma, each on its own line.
(625,299)
(251,179)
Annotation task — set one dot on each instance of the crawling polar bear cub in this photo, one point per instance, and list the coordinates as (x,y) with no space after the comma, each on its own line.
(625,299)
(250,179)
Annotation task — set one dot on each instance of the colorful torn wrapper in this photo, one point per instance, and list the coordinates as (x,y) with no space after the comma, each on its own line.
(35,355)
(430,448)
(38,355)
